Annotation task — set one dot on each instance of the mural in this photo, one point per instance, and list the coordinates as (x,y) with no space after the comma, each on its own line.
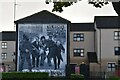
(42,48)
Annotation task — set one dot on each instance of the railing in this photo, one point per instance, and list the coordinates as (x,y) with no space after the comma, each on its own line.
(104,72)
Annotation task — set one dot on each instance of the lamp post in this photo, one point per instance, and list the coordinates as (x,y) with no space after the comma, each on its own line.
(14,12)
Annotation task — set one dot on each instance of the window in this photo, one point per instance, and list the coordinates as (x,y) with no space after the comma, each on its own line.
(117,35)
(117,50)
(4,55)
(78,52)
(4,45)
(111,66)
(78,37)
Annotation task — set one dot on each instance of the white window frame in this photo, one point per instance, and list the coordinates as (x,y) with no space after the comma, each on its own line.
(111,69)
(116,35)
(4,55)
(117,47)
(78,36)
(4,45)
(79,51)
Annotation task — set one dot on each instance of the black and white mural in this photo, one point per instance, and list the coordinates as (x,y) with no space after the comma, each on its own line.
(42,48)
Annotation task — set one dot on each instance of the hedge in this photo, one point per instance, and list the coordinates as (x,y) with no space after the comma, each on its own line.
(37,76)
(25,75)
(77,76)
(114,78)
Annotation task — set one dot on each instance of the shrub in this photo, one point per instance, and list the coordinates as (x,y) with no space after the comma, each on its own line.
(37,76)
(114,78)
(24,75)
(78,76)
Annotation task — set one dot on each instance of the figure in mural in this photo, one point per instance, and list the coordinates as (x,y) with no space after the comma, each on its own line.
(25,51)
(55,48)
(35,52)
(52,49)
(43,48)
(60,49)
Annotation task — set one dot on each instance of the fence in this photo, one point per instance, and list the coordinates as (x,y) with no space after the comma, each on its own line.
(104,72)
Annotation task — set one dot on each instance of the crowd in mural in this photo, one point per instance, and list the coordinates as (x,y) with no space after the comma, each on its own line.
(43,49)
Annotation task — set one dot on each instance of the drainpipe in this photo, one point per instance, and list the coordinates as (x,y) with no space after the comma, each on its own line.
(100,53)
(118,41)
(94,41)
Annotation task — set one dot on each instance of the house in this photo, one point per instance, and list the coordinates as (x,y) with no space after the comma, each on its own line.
(54,29)
(108,42)
(94,44)
(8,48)
(97,45)
(82,42)
(82,46)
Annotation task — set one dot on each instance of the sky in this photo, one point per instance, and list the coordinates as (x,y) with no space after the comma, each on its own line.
(80,12)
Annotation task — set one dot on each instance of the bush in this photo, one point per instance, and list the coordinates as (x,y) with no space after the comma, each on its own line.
(78,76)
(37,76)
(24,75)
(114,78)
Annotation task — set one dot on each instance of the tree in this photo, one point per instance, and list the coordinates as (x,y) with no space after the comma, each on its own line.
(116,6)
(58,5)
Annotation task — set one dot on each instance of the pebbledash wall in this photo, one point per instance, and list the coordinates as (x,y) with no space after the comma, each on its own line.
(82,37)
(108,42)
(7,53)
(95,44)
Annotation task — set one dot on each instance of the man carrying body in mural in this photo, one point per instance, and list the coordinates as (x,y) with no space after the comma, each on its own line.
(25,50)
(35,52)
(43,48)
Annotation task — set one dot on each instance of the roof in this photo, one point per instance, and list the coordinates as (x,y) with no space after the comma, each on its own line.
(82,27)
(42,17)
(8,36)
(107,22)
(0,36)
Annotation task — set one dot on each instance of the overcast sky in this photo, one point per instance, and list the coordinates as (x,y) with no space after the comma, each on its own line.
(78,13)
